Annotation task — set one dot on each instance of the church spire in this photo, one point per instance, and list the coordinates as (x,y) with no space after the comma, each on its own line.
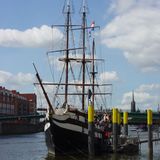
(133,103)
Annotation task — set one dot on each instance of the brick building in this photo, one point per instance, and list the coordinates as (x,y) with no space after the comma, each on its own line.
(15,103)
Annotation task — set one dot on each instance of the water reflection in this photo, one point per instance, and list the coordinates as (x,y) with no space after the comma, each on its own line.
(104,157)
(33,147)
(150,156)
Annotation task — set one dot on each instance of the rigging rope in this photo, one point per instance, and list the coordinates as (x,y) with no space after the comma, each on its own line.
(75,81)
(58,84)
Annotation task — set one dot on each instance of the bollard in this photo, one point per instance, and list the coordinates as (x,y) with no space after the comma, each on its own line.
(91,150)
(149,123)
(115,124)
(125,123)
(119,123)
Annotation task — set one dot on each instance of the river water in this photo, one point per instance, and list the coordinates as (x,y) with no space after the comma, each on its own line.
(33,147)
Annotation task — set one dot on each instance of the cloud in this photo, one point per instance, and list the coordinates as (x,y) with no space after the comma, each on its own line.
(21,79)
(109,76)
(135,29)
(123,6)
(4,76)
(141,97)
(150,88)
(146,96)
(16,81)
(120,6)
(34,37)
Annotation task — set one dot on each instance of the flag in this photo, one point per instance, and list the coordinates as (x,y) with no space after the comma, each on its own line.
(92,25)
(92,28)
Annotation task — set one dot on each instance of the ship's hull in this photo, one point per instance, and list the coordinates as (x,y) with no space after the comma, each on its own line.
(65,134)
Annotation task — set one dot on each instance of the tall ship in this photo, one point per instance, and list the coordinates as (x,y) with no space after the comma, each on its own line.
(66,123)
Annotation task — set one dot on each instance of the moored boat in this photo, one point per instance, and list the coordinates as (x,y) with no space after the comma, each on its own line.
(66,127)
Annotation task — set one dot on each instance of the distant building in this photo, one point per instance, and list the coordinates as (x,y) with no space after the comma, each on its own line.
(32,100)
(14,103)
(133,103)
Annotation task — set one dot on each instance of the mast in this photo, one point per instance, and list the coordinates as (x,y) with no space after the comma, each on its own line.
(84,11)
(67,50)
(93,71)
(67,59)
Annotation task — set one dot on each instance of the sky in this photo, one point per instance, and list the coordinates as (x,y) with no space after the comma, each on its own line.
(129,39)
